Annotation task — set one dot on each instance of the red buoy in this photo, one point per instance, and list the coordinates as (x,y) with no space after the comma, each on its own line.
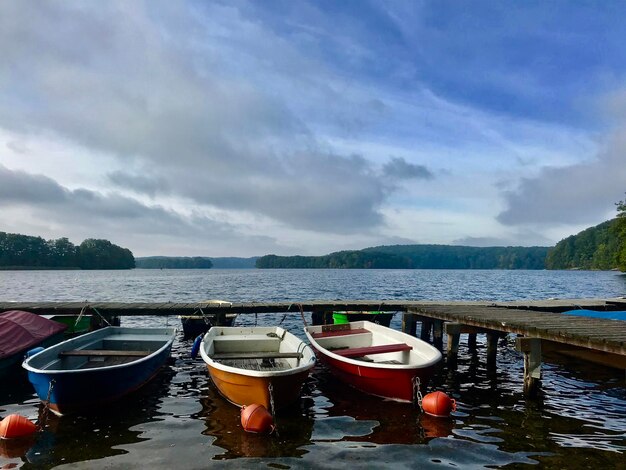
(14,426)
(256,418)
(438,404)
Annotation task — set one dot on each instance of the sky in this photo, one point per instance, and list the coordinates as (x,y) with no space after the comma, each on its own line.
(244,128)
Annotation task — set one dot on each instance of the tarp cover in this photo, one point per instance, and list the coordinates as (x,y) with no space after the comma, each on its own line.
(22,330)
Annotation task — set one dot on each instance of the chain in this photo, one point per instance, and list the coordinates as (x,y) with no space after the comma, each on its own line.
(417,393)
(46,407)
(270,389)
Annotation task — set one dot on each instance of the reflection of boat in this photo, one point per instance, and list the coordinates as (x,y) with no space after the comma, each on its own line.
(223,422)
(373,358)
(199,323)
(21,331)
(257,364)
(98,367)
(381,318)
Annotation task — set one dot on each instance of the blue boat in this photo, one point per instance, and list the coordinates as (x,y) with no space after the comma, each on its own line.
(99,367)
(608,315)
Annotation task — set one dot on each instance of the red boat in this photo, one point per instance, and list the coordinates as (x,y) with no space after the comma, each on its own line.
(375,359)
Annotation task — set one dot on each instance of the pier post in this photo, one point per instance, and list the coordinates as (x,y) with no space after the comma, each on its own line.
(453,330)
(408,323)
(438,334)
(492,348)
(427,325)
(471,342)
(531,348)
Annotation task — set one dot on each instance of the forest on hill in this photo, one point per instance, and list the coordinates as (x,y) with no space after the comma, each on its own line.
(417,257)
(601,247)
(28,252)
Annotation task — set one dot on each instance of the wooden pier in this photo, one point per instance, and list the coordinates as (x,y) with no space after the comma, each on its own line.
(539,325)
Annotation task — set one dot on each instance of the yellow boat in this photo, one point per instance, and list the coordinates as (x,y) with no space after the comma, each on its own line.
(264,365)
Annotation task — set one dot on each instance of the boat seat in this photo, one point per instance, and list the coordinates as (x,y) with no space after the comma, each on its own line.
(331,333)
(257,355)
(103,352)
(382,349)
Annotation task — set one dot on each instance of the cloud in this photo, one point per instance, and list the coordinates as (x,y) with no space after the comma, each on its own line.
(139,183)
(399,168)
(520,238)
(150,229)
(583,193)
(219,139)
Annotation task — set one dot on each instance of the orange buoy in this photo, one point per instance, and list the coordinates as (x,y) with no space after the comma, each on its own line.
(438,404)
(14,426)
(256,418)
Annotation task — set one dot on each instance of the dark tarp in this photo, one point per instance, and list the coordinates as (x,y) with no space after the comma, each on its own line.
(22,330)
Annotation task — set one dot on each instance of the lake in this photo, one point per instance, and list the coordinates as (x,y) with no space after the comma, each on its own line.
(179,420)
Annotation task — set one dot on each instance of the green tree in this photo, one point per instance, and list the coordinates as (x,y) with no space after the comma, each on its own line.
(102,254)
(621,235)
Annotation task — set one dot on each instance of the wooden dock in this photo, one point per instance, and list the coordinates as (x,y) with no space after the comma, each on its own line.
(539,324)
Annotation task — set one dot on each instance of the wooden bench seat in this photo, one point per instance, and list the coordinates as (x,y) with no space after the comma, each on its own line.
(256,355)
(382,349)
(103,352)
(331,333)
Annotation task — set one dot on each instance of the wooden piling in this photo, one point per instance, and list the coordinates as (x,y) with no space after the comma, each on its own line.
(531,348)
(409,324)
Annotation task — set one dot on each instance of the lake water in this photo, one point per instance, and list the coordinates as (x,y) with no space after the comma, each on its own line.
(179,421)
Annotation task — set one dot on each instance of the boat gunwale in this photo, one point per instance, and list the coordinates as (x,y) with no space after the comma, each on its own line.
(374,328)
(58,349)
(304,366)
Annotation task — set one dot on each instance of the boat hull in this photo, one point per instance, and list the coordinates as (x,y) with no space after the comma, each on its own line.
(244,363)
(91,389)
(375,359)
(91,370)
(395,384)
(194,325)
(243,390)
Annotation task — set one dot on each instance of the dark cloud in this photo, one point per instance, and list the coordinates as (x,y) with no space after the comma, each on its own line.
(121,219)
(584,193)
(400,169)
(23,188)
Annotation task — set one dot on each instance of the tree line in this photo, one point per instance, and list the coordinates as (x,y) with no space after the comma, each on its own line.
(417,257)
(601,247)
(24,251)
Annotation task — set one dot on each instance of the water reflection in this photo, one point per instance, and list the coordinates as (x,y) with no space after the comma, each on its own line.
(294,428)
(95,434)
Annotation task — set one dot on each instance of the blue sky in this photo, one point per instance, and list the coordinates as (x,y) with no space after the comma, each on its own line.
(241,128)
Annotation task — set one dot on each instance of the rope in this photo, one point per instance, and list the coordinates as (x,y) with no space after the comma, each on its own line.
(101,316)
(302,315)
(270,389)
(46,408)
(80,315)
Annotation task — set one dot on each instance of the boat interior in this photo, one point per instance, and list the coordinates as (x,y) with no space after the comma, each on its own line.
(100,352)
(261,352)
(362,345)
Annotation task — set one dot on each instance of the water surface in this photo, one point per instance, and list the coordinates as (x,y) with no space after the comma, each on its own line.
(180,421)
